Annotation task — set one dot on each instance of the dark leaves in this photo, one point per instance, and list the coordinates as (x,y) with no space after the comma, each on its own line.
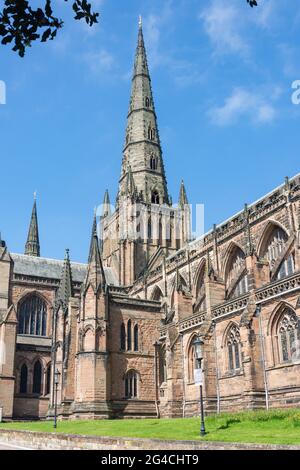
(22,25)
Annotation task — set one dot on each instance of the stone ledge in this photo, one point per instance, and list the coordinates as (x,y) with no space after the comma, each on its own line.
(56,441)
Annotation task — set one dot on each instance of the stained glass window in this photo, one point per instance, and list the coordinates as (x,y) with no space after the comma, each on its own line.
(233,345)
(32,316)
(237,279)
(289,335)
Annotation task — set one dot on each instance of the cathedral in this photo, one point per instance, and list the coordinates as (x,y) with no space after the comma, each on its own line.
(114,338)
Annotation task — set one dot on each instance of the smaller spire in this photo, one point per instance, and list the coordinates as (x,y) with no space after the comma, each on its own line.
(106,210)
(140,22)
(95,270)
(94,232)
(183,200)
(65,290)
(32,247)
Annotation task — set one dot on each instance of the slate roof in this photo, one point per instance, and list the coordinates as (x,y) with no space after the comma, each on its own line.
(52,269)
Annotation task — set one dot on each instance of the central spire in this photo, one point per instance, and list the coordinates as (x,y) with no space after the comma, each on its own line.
(142,153)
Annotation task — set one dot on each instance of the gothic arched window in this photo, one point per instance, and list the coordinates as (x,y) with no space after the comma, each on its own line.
(131,384)
(287,267)
(200,304)
(155,197)
(23,379)
(147,102)
(236,275)
(32,316)
(153,162)
(151,133)
(157,294)
(37,378)
(191,360)
(136,338)
(273,250)
(233,348)
(48,378)
(289,336)
(122,337)
(129,336)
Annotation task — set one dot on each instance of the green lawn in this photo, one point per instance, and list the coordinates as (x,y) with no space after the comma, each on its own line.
(275,427)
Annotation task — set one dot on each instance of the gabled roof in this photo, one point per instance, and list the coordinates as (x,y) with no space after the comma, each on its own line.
(52,269)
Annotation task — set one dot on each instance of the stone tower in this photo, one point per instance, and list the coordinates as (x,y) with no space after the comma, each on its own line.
(92,385)
(145,227)
(142,154)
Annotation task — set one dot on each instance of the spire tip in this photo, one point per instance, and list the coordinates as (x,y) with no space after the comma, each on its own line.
(140,22)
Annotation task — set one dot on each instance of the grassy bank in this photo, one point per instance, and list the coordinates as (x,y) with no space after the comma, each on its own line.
(274,427)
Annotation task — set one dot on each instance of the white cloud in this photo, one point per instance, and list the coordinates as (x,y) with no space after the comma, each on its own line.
(243,103)
(156,26)
(99,62)
(222,24)
(230,24)
(152,26)
(264,16)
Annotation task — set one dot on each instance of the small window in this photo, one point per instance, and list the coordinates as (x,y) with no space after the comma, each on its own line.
(131,384)
(233,348)
(136,338)
(191,361)
(147,102)
(37,378)
(48,380)
(129,337)
(122,338)
(151,133)
(155,198)
(153,163)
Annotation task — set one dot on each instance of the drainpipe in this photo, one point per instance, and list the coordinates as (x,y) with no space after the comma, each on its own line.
(217,370)
(156,346)
(263,357)
(183,376)
(54,336)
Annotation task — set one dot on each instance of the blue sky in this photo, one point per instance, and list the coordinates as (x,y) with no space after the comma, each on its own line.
(222,86)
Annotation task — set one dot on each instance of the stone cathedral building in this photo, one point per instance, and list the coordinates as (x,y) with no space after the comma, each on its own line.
(120,328)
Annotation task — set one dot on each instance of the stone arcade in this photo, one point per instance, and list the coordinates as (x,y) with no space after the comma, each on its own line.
(120,328)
